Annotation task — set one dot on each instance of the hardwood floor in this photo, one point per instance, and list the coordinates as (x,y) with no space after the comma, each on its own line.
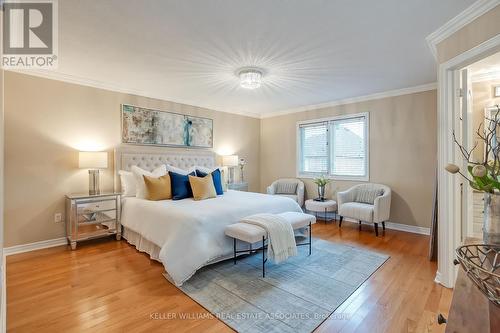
(107,286)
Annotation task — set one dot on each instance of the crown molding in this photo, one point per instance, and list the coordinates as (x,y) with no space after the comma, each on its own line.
(385,94)
(471,13)
(52,75)
(486,76)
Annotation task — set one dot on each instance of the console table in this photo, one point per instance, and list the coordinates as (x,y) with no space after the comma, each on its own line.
(470,310)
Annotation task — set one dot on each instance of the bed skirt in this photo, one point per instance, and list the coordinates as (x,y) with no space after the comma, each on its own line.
(142,244)
(153,250)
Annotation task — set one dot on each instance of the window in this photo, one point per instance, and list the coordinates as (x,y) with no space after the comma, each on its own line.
(337,147)
(314,147)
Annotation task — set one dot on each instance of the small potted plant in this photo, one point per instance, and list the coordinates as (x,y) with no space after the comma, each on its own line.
(321,181)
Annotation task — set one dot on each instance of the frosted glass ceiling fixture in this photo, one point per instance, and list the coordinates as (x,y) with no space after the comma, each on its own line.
(250,77)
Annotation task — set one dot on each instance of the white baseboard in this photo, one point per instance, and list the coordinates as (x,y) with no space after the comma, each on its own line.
(408,228)
(389,225)
(3,307)
(62,241)
(34,246)
(437,279)
(400,227)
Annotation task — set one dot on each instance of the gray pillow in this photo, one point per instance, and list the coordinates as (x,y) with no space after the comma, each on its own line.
(286,188)
(368,196)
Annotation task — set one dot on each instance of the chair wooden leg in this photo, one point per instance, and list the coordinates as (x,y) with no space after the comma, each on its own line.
(383,225)
(234,249)
(359,226)
(340,221)
(310,239)
(263,257)
(376,229)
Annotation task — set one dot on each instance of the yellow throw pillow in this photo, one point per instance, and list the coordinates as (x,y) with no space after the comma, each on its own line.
(158,188)
(203,187)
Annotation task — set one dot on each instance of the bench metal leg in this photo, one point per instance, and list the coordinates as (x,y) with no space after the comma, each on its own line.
(310,239)
(263,257)
(234,248)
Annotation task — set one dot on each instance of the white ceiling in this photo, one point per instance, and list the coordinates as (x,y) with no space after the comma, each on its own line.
(313,52)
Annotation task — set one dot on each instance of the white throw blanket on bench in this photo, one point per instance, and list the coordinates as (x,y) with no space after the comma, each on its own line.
(281,242)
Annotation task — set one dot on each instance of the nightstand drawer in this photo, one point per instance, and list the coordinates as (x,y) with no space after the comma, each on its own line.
(238,186)
(97,217)
(86,207)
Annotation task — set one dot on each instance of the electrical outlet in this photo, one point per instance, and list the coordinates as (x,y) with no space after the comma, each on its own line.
(58,217)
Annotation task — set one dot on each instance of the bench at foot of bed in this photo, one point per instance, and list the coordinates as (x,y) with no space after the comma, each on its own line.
(252,234)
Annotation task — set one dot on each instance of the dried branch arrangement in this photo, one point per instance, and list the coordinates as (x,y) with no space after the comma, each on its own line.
(482,175)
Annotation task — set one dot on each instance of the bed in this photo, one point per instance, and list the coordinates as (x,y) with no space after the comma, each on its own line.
(186,235)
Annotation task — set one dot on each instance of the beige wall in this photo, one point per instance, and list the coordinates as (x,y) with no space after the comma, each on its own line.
(48,121)
(402,151)
(482,97)
(478,31)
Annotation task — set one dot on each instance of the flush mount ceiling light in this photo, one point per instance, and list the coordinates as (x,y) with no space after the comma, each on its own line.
(250,77)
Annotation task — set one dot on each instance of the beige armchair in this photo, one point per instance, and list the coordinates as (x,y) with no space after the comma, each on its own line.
(288,187)
(369,203)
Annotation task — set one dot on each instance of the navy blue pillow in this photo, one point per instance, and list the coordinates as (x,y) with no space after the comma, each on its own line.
(216,177)
(181,189)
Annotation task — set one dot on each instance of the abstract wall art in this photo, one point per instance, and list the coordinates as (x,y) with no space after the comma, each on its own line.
(144,126)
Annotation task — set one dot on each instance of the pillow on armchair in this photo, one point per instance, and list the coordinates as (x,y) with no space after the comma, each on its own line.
(286,188)
(368,196)
(289,187)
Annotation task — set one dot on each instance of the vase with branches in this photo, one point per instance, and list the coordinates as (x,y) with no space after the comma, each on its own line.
(321,181)
(484,175)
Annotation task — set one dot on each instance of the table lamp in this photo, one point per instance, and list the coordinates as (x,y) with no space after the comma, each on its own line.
(93,161)
(230,161)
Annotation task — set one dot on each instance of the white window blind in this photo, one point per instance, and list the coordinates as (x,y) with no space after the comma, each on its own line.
(348,155)
(314,148)
(337,147)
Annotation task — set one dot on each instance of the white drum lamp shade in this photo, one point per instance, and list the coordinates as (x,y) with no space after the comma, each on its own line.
(230,160)
(93,160)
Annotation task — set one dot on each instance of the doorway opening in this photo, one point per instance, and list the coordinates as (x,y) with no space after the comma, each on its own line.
(466,94)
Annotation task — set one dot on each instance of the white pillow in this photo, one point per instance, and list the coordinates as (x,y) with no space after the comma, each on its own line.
(128,182)
(140,191)
(171,168)
(205,169)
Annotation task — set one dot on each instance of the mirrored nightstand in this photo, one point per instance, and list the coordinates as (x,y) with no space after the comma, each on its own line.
(92,216)
(243,186)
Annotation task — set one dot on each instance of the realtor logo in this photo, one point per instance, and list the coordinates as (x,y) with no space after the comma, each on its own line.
(29,39)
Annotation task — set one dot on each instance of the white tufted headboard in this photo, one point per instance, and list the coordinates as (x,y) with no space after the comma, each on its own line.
(149,158)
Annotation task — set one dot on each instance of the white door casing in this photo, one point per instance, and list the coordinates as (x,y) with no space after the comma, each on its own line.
(449,198)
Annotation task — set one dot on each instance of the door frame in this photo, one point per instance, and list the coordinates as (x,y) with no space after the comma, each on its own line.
(449,198)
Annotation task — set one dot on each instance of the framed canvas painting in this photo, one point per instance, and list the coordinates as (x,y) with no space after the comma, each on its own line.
(144,126)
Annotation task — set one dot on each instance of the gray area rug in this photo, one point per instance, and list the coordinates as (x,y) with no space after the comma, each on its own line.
(295,296)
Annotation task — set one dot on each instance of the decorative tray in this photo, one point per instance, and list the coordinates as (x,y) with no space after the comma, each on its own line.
(481,262)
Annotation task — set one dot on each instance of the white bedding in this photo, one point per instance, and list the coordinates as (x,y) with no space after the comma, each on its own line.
(191,233)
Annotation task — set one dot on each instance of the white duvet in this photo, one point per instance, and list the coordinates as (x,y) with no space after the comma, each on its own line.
(191,233)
